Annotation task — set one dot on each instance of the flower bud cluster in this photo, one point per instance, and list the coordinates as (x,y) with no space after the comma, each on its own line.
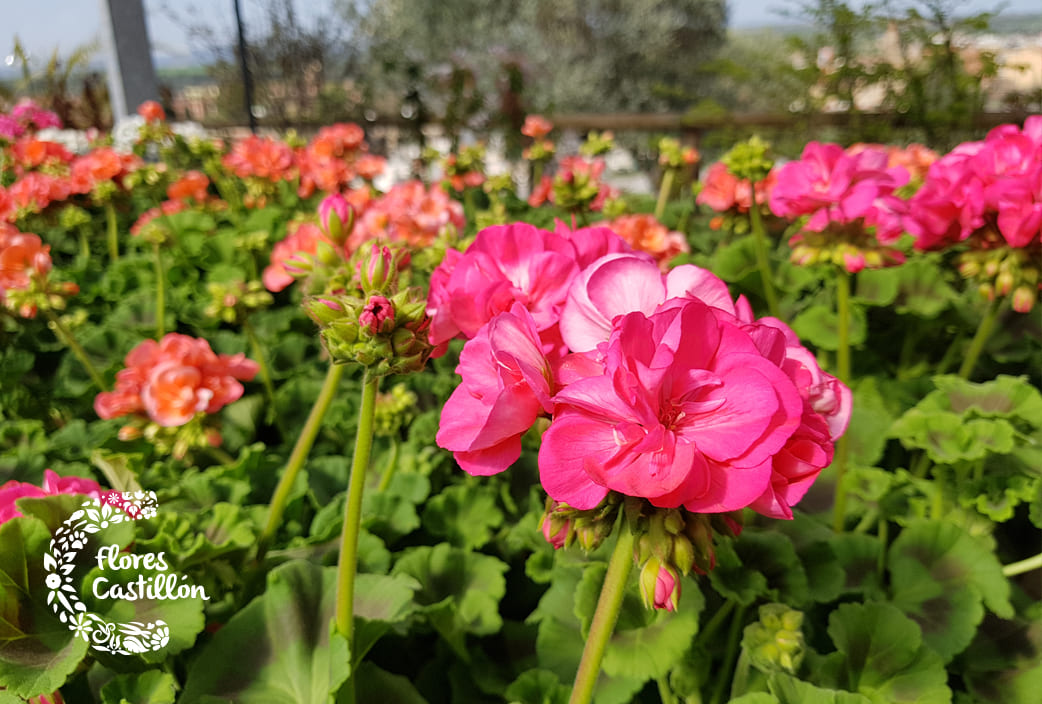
(1005,271)
(232,302)
(850,247)
(775,642)
(598,143)
(393,410)
(563,525)
(674,542)
(376,324)
(749,160)
(672,155)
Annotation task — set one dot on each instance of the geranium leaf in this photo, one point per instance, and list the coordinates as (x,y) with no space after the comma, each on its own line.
(280,648)
(941,576)
(148,687)
(464,514)
(789,690)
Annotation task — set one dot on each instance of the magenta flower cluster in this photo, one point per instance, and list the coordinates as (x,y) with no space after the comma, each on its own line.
(657,386)
(995,182)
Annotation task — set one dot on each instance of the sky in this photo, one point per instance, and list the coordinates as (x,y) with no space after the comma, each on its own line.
(46,25)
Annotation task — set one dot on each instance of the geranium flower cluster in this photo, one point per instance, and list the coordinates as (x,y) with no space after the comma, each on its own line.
(48,173)
(578,184)
(646,234)
(988,194)
(25,265)
(52,485)
(847,203)
(26,116)
(656,386)
(725,193)
(336,155)
(409,212)
(168,383)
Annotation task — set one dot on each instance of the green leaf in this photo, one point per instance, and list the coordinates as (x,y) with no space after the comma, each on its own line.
(149,687)
(392,514)
(755,698)
(731,578)
(819,325)
(870,421)
(380,602)
(460,590)
(877,287)
(884,657)
(37,651)
(774,556)
(280,648)
(941,576)
(734,261)
(922,290)
(789,690)
(464,514)
(537,687)
(376,685)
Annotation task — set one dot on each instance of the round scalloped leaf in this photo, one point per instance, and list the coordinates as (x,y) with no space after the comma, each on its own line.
(884,657)
(942,576)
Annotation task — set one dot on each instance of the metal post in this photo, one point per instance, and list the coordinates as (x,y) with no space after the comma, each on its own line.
(131,74)
(247,79)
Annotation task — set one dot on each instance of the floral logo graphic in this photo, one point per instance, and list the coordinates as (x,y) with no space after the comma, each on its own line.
(121,638)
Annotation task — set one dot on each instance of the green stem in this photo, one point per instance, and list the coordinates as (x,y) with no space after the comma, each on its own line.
(839,507)
(84,244)
(762,260)
(740,681)
(1015,568)
(987,324)
(348,564)
(733,641)
(884,536)
(265,372)
(664,189)
(112,231)
(664,692)
(608,605)
(392,463)
(296,458)
(66,337)
(160,292)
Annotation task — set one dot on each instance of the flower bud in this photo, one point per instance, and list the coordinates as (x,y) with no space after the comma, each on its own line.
(336,217)
(377,316)
(1023,299)
(376,271)
(775,643)
(1004,282)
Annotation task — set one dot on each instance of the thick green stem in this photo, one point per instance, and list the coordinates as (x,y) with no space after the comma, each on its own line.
(664,692)
(66,337)
(762,260)
(987,324)
(740,680)
(1015,568)
(112,231)
(84,243)
(296,458)
(604,618)
(265,372)
(839,507)
(346,568)
(664,190)
(160,292)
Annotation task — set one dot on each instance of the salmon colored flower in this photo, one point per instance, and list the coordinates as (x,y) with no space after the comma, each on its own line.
(192,185)
(289,256)
(151,111)
(172,380)
(260,157)
(23,259)
(646,234)
(410,213)
(536,126)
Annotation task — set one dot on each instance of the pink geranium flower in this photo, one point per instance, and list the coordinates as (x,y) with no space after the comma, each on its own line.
(507,384)
(53,484)
(688,412)
(617,284)
(506,264)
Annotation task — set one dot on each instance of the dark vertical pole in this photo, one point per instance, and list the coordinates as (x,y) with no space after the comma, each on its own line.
(247,79)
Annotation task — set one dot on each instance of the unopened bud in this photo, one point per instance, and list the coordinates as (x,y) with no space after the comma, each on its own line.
(336,216)
(1023,299)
